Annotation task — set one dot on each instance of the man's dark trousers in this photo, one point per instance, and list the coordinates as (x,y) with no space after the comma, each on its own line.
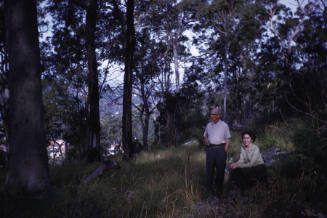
(216,159)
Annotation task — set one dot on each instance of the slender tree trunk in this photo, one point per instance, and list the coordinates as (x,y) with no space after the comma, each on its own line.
(176,63)
(225,81)
(4,91)
(225,97)
(28,160)
(93,135)
(176,36)
(146,131)
(145,116)
(128,80)
(145,125)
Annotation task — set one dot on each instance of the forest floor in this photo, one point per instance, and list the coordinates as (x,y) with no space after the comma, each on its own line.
(170,182)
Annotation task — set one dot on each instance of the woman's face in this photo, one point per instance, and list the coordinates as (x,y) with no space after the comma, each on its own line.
(246,139)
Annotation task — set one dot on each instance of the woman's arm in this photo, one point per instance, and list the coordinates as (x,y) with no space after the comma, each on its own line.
(240,161)
(253,159)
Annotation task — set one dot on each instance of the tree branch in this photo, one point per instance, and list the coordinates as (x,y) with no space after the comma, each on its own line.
(305,113)
(81,3)
(271,27)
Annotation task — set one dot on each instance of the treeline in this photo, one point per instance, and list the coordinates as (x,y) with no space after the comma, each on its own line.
(259,61)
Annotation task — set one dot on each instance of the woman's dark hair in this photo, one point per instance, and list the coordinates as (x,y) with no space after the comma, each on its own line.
(251,134)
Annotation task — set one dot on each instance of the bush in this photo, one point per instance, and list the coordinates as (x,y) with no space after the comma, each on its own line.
(312,142)
(170,182)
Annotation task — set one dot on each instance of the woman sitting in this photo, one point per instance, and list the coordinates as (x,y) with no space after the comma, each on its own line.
(250,168)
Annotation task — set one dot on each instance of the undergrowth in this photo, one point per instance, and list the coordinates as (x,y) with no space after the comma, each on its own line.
(170,183)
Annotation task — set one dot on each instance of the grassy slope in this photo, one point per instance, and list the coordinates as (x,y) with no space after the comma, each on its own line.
(168,183)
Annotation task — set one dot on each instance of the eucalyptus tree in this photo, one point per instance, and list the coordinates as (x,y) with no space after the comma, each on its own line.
(92,106)
(65,72)
(151,70)
(4,69)
(228,31)
(286,26)
(160,26)
(168,21)
(306,95)
(80,42)
(280,52)
(250,33)
(146,72)
(28,165)
(125,15)
(308,89)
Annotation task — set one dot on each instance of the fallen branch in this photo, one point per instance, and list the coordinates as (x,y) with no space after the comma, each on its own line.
(108,164)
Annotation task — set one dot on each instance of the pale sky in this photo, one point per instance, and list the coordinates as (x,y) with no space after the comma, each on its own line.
(289,3)
(293,3)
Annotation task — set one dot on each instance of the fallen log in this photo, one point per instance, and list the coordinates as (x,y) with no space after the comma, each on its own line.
(108,164)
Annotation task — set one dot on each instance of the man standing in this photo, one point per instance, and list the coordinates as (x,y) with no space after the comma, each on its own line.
(217,140)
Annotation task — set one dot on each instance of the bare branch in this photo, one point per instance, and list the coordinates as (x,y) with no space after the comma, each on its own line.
(272,13)
(104,79)
(81,3)
(118,13)
(306,113)
(137,107)
(298,27)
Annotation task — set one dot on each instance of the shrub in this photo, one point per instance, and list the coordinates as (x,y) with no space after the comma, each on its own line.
(312,142)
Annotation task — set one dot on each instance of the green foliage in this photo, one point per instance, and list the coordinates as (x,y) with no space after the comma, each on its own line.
(64,115)
(181,115)
(296,183)
(111,128)
(311,141)
(170,183)
(154,184)
(275,135)
(234,147)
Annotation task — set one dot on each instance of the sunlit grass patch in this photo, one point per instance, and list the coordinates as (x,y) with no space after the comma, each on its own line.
(171,183)
(277,135)
(154,183)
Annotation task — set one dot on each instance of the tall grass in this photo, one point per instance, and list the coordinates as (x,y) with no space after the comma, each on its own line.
(170,183)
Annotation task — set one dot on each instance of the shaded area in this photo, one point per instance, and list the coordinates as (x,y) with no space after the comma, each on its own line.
(171,183)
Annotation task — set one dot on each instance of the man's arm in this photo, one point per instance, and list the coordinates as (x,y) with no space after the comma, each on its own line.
(228,136)
(206,140)
(205,135)
(227,144)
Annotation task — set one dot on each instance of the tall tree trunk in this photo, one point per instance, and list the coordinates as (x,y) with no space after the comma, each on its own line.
(128,80)
(28,162)
(145,116)
(146,130)
(225,80)
(225,90)
(93,135)
(4,91)
(176,36)
(146,122)
(176,62)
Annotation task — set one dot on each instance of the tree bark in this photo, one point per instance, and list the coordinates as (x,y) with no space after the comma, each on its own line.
(128,80)
(28,162)
(176,63)
(225,84)
(93,135)
(4,90)
(146,130)
(145,116)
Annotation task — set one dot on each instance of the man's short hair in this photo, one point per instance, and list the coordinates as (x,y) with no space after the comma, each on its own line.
(216,109)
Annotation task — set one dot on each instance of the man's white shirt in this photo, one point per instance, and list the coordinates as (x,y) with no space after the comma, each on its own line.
(217,133)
